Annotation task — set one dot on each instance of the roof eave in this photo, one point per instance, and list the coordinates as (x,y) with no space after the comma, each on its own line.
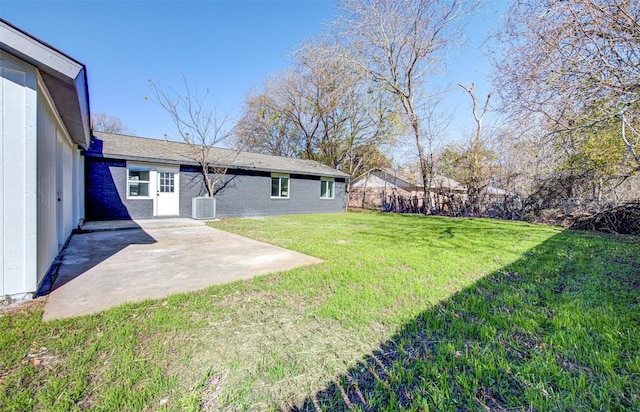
(65,78)
(187,162)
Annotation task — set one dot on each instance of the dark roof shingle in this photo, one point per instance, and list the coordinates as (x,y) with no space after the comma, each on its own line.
(134,148)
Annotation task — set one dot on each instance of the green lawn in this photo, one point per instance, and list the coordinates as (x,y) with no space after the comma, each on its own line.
(406,312)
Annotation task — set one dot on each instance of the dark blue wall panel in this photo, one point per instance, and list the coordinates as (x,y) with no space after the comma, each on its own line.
(105,192)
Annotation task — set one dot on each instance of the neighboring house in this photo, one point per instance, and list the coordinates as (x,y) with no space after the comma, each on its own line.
(386,179)
(370,191)
(133,177)
(43,127)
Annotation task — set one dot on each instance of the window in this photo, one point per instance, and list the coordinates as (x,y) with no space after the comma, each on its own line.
(279,186)
(327,188)
(167,182)
(138,182)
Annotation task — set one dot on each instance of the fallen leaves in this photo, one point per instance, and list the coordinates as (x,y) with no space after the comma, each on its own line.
(40,357)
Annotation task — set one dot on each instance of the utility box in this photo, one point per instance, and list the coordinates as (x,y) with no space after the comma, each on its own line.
(203,208)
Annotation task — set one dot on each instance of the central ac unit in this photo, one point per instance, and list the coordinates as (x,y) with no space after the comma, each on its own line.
(203,208)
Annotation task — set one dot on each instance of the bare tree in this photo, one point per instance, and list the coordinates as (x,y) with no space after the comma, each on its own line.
(288,109)
(265,128)
(398,43)
(574,62)
(476,177)
(434,124)
(101,122)
(321,109)
(199,126)
(356,125)
(522,156)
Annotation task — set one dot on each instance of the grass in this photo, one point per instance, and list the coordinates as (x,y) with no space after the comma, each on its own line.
(406,312)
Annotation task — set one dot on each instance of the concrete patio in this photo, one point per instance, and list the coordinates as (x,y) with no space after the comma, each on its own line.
(111,263)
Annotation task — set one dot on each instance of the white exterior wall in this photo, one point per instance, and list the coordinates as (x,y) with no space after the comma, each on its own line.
(41,179)
(47,187)
(18,179)
(78,185)
(59,188)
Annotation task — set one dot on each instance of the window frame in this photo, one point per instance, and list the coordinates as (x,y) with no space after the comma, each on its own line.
(280,177)
(164,182)
(333,188)
(130,181)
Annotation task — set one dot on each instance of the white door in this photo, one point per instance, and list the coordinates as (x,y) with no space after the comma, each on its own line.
(167,192)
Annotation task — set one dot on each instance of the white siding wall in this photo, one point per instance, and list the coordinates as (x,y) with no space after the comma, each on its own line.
(58,201)
(18,213)
(47,188)
(78,185)
(39,165)
(66,192)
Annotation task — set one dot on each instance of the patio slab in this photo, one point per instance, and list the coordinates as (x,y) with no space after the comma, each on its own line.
(103,268)
(107,225)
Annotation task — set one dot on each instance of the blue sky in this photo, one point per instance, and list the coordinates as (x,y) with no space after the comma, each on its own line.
(230,47)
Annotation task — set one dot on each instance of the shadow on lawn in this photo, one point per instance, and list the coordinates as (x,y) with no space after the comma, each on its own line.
(526,337)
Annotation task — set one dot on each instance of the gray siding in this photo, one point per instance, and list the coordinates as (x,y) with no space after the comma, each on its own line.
(242,193)
(249,194)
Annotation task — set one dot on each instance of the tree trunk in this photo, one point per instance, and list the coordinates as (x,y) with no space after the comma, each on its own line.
(415,126)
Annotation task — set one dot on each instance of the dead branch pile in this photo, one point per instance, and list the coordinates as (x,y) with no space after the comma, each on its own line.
(623,219)
(404,204)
